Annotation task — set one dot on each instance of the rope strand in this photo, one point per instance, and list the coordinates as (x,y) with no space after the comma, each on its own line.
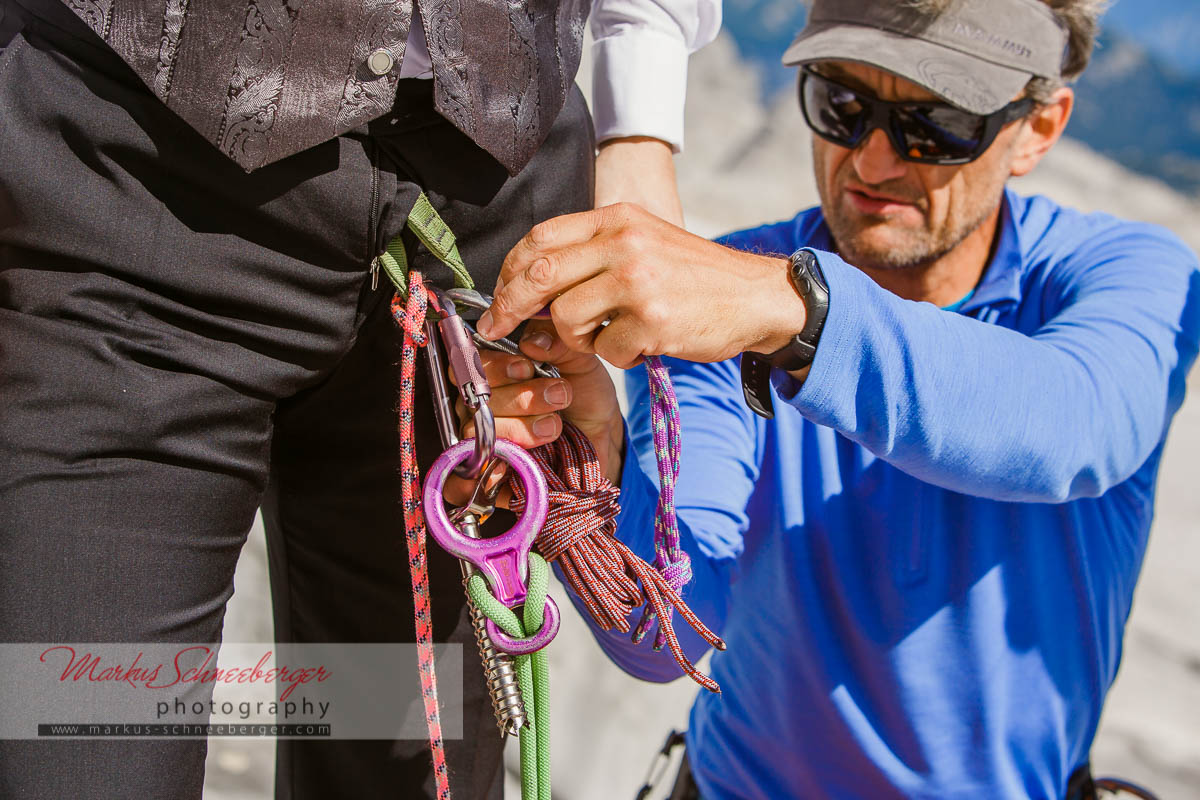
(669,558)
(411,318)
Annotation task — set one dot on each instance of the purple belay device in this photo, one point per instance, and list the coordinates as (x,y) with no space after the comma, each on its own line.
(503,559)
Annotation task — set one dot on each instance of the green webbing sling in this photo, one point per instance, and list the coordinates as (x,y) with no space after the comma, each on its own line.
(433,232)
(533,672)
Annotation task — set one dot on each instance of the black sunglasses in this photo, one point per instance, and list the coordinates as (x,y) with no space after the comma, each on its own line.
(924,132)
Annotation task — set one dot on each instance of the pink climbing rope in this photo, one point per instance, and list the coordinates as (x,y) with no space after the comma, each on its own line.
(669,558)
(411,318)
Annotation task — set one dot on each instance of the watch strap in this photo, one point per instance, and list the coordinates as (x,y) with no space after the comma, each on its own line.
(805,274)
(756,384)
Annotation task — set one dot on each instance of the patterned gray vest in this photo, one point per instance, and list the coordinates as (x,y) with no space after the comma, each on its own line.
(263,79)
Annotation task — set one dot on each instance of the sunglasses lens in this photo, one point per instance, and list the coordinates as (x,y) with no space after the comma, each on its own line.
(937,133)
(934,133)
(833,111)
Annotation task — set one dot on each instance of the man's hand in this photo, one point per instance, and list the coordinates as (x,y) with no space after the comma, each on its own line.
(640,170)
(530,411)
(624,284)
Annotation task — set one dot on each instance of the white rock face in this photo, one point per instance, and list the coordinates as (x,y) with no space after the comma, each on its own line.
(746,163)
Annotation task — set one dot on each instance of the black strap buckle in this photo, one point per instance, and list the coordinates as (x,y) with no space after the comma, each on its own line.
(756,384)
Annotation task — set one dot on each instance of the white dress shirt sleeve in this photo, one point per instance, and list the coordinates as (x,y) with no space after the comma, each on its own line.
(639,57)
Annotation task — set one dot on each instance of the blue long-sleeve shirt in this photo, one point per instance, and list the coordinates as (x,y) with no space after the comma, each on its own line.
(923,565)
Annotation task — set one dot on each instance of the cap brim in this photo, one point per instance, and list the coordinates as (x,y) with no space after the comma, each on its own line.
(962,80)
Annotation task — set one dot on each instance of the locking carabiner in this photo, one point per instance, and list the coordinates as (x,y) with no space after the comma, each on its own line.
(507,701)
(472,385)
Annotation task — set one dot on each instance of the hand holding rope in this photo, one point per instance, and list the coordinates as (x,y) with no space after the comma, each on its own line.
(601,570)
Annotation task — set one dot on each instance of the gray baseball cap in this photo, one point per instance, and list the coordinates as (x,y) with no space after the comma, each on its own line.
(975,54)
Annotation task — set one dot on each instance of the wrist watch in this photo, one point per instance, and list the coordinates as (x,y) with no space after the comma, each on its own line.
(805,275)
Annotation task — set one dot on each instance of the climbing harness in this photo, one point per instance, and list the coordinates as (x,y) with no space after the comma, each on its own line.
(565,507)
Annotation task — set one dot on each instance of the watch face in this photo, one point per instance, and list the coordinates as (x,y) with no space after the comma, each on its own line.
(804,268)
(809,283)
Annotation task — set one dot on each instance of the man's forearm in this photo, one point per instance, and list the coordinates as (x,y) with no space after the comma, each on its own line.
(625,284)
(988,411)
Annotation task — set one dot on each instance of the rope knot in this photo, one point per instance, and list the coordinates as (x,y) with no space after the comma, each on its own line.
(410,314)
(677,573)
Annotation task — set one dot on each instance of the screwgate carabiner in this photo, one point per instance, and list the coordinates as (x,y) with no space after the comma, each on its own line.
(473,386)
(478,301)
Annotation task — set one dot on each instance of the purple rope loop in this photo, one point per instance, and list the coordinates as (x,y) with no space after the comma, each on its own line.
(669,559)
(679,573)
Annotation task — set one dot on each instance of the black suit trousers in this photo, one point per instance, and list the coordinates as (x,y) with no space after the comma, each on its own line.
(182,343)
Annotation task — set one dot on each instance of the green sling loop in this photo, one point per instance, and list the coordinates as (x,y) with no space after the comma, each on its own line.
(433,232)
(533,672)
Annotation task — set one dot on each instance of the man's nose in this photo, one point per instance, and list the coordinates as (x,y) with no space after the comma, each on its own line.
(875,160)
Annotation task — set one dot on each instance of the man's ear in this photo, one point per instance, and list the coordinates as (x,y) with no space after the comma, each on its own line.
(1041,129)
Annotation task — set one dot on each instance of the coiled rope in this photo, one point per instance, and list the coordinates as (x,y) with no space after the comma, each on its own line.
(599,568)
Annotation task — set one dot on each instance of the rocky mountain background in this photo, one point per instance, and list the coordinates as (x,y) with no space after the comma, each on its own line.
(747,161)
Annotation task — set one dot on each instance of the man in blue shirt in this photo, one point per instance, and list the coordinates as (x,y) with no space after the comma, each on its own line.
(923,563)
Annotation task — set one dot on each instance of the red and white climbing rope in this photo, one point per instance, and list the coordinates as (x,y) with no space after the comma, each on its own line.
(411,318)
(599,568)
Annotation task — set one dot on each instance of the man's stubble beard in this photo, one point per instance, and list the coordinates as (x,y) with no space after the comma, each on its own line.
(918,247)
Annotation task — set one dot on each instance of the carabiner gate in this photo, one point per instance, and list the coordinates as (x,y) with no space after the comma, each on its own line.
(472,385)
(478,301)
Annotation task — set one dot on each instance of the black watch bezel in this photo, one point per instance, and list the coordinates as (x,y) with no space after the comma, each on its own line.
(804,272)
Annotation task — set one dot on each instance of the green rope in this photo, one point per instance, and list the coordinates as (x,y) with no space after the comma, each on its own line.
(533,673)
(433,232)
